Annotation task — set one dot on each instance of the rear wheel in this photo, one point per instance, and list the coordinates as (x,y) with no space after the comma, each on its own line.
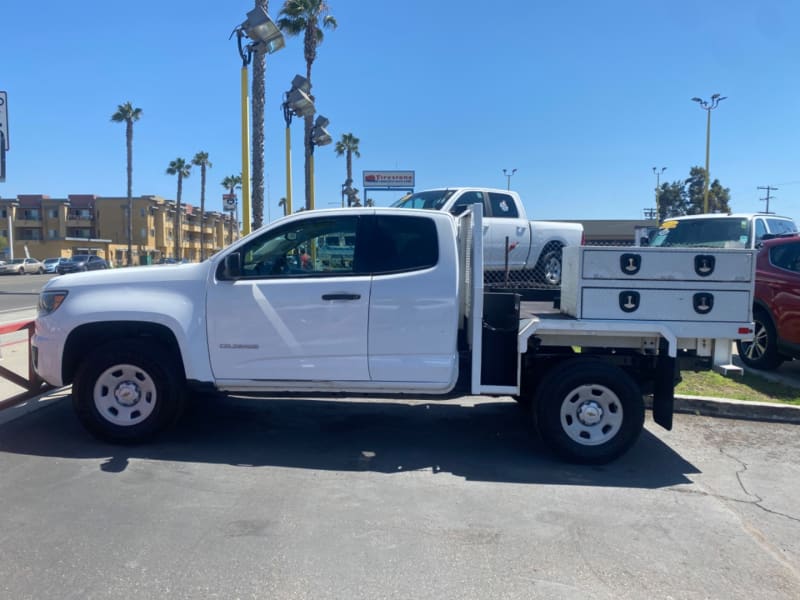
(128,390)
(589,411)
(762,351)
(550,265)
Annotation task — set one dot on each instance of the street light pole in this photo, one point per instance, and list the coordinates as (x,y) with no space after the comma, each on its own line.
(658,191)
(708,106)
(508,175)
(265,37)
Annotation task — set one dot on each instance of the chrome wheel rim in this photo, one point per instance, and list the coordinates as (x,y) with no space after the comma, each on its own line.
(756,349)
(591,414)
(552,270)
(125,395)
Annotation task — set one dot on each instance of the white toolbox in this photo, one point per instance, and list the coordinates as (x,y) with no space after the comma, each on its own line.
(657,284)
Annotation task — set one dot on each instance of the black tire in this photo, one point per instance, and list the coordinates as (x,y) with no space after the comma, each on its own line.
(41,270)
(589,411)
(21,271)
(127,391)
(762,352)
(550,265)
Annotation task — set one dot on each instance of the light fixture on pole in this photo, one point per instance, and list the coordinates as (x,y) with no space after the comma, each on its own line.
(319,137)
(296,103)
(658,191)
(708,106)
(265,37)
(508,175)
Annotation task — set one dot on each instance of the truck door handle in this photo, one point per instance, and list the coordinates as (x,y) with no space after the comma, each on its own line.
(341,296)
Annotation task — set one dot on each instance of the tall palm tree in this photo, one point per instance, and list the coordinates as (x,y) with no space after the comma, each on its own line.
(201,160)
(127,114)
(181,168)
(308,17)
(348,146)
(230,183)
(258,101)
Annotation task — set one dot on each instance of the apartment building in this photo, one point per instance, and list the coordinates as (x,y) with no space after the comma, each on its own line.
(88,224)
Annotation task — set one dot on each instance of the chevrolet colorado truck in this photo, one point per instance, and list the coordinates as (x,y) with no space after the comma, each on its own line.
(400,310)
(511,241)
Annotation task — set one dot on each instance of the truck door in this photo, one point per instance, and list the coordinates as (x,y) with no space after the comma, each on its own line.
(413,317)
(504,222)
(299,310)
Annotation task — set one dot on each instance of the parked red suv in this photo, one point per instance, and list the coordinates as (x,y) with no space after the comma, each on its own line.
(776,306)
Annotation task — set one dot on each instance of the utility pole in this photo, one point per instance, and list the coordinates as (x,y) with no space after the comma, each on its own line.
(769,189)
(658,173)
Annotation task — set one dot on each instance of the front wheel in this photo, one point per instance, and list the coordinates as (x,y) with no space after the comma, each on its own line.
(128,390)
(589,411)
(762,351)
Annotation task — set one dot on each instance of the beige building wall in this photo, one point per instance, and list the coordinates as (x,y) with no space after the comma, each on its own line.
(50,227)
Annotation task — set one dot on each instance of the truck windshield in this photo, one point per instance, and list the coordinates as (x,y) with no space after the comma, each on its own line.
(431,199)
(710,233)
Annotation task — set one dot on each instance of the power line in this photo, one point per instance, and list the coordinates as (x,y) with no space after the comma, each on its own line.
(769,189)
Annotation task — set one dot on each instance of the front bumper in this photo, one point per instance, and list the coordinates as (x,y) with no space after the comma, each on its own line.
(46,352)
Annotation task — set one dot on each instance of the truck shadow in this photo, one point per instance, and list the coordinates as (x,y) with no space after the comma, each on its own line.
(490,441)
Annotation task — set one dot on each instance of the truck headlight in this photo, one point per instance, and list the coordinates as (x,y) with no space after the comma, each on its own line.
(50,301)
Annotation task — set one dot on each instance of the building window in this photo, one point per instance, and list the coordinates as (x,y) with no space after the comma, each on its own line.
(52,234)
(143,233)
(53,213)
(31,214)
(153,232)
(143,212)
(80,213)
(30,234)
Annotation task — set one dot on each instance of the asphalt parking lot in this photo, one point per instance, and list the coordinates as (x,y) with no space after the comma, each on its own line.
(393,499)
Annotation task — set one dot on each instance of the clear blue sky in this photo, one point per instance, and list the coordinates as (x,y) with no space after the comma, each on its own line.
(583,98)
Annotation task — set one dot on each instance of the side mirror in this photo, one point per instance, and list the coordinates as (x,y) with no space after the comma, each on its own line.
(458,209)
(232,267)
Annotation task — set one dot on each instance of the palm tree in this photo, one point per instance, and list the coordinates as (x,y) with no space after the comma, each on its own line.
(307,17)
(127,114)
(259,98)
(201,160)
(348,146)
(230,183)
(182,169)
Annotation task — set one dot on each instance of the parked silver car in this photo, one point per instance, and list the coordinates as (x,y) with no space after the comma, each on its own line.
(50,264)
(21,266)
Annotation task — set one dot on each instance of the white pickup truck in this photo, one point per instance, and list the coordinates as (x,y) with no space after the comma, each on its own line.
(404,312)
(511,241)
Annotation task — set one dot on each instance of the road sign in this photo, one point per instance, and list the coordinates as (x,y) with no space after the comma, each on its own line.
(229,201)
(4,118)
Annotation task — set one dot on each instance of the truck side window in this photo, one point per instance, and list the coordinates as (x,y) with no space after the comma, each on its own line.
(502,206)
(465,200)
(403,244)
(308,248)
(779,226)
(761,230)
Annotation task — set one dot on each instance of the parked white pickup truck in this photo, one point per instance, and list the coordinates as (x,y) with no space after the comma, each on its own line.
(404,312)
(511,241)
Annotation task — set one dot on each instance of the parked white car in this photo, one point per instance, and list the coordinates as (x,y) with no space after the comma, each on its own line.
(21,266)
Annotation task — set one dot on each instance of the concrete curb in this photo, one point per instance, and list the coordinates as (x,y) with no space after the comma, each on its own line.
(738,409)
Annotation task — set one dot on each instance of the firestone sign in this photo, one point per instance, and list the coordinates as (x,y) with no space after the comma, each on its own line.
(388,180)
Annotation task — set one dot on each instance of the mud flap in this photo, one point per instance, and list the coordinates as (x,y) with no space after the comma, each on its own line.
(664,388)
